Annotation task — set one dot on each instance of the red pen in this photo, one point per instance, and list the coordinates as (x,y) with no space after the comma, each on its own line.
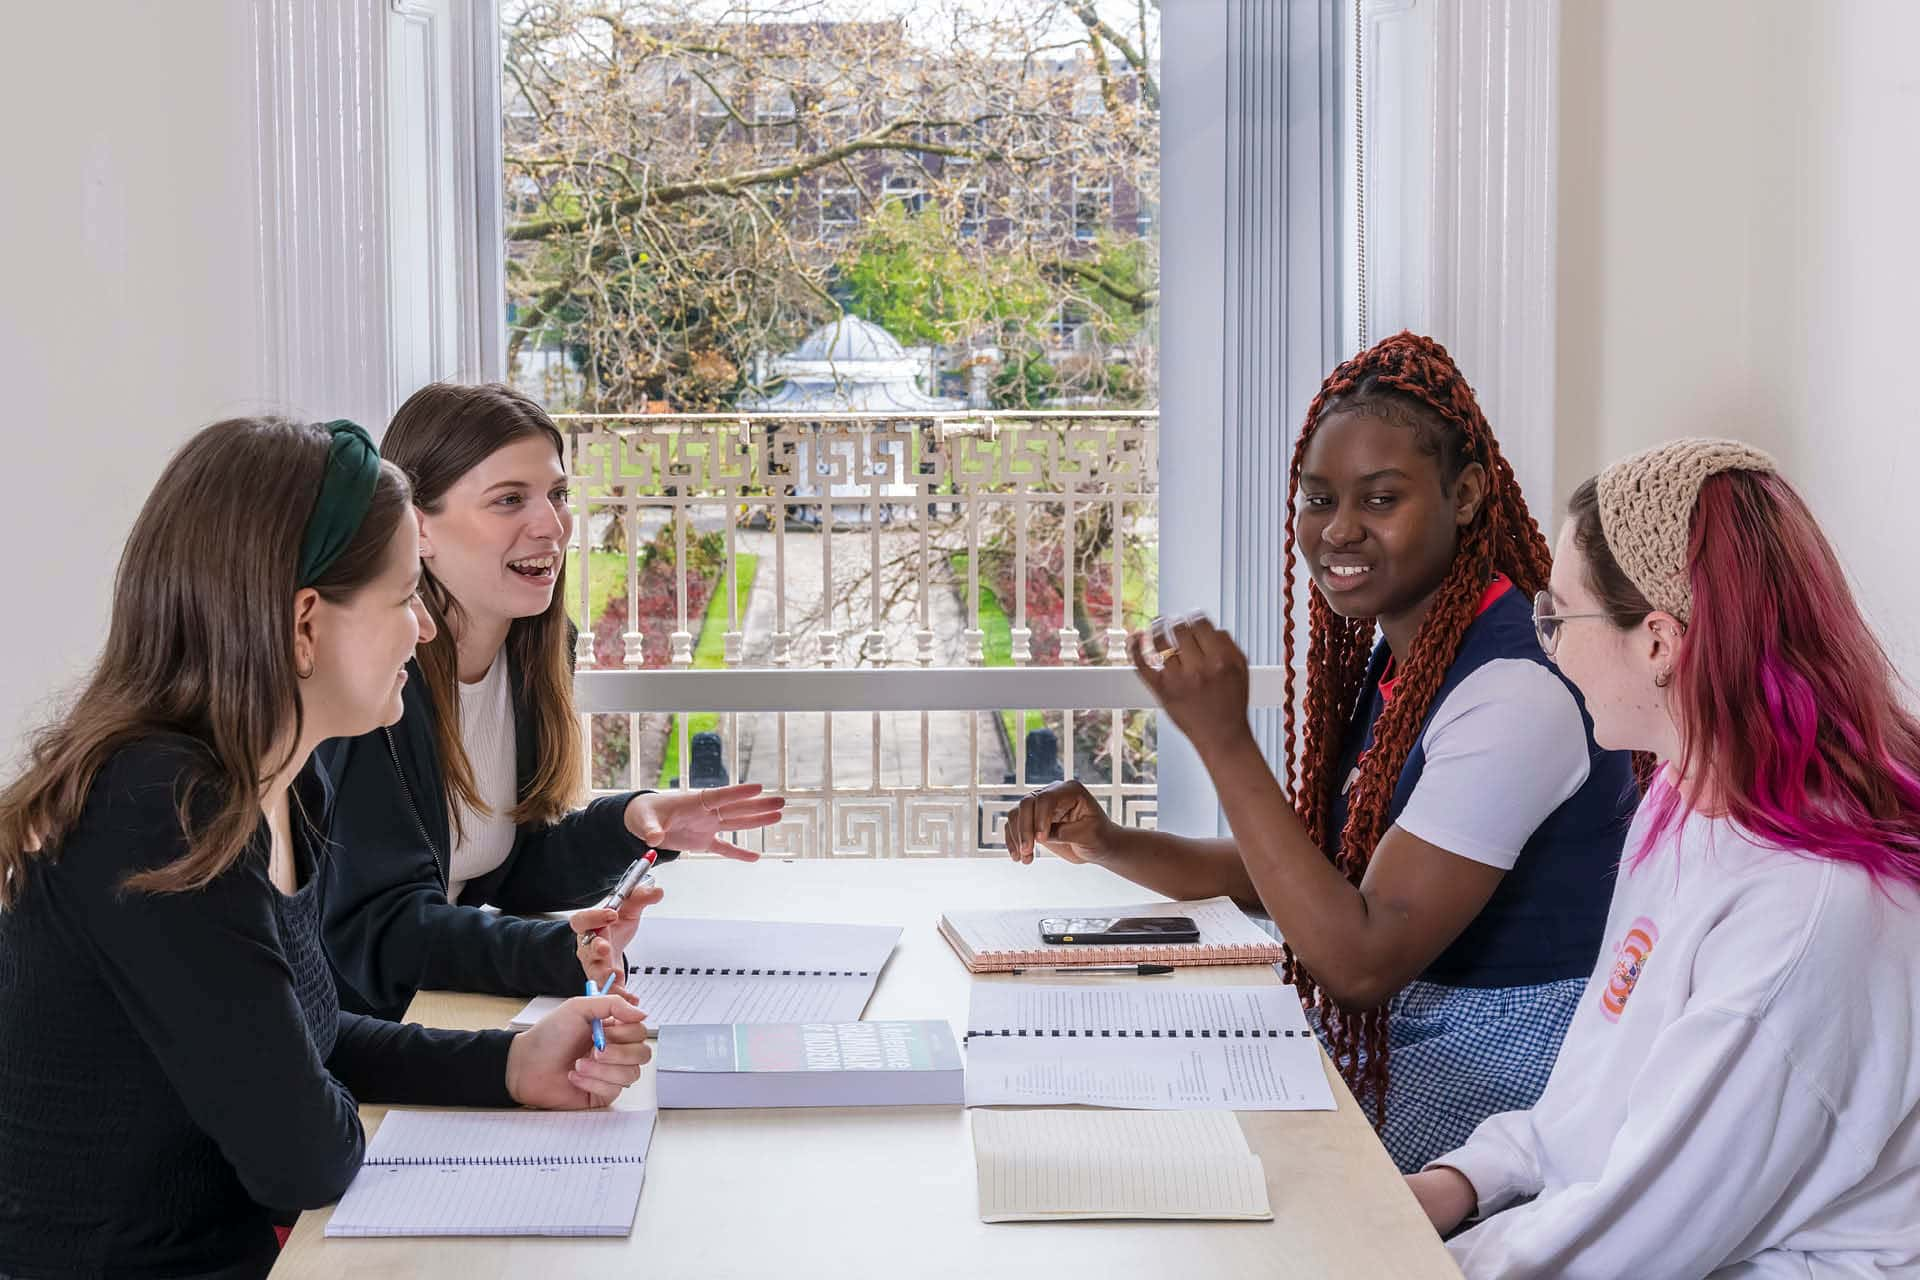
(637,876)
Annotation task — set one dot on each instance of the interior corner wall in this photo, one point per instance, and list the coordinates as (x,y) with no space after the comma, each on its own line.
(1737,256)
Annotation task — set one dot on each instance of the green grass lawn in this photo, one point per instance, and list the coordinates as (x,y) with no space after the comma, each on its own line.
(709,653)
(609,570)
(998,646)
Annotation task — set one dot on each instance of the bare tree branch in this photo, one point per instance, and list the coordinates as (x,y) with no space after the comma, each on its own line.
(1096,25)
(884,138)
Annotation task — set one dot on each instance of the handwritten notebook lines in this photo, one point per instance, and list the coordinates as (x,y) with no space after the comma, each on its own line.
(1049,1165)
(995,941)
(499,1174)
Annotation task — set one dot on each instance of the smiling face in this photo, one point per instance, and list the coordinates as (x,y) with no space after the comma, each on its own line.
(1376,518)
(357,649)
(498,538)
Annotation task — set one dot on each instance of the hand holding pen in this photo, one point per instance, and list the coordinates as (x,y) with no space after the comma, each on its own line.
(602,932)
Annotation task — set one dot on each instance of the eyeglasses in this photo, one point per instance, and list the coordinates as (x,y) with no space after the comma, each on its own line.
(1546,623)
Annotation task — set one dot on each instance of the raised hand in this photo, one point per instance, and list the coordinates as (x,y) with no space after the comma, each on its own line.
(691,821)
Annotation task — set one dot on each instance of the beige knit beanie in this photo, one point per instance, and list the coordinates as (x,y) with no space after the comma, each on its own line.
(1646,512)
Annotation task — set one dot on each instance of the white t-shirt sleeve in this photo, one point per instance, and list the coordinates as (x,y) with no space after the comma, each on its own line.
(1505,749)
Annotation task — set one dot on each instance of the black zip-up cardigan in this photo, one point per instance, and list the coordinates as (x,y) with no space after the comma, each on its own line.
(389,928)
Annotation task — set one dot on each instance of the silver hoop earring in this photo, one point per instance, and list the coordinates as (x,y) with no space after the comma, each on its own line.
(1663,679)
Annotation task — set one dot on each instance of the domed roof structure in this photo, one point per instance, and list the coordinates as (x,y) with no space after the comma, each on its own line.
(848,365)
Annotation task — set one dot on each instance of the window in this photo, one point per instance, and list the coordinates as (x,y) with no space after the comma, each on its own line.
(1092,207)
(773,118)
(905,189)
(839,206)
(973,209)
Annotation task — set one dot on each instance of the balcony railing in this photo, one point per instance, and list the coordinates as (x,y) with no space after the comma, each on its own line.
(881,617)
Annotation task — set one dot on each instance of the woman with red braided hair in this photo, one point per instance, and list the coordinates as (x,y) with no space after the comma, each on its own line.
(1441,864)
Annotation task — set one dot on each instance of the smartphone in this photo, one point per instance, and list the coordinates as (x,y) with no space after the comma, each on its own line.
(1107,930)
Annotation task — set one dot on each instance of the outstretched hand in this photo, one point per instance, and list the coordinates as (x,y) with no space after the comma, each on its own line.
(691,821)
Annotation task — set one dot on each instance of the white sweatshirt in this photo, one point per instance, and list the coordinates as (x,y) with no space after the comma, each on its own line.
(1739,1092)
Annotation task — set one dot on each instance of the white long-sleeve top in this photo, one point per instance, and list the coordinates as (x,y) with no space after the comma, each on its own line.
(1739,1092)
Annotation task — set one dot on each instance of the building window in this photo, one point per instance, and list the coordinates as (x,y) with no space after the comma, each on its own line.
(905,189)
(839,206)
(1092,207)
(773,119)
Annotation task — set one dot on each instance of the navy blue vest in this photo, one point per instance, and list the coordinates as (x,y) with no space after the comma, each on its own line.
(1545,920)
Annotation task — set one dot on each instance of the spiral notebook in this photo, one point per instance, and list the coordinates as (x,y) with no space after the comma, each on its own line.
(1156,1048)
(499,1173)
(995,941)
(734,971)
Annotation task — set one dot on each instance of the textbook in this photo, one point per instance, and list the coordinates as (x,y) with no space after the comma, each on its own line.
(499,1173)
(721,971)
(1158,1048)
(996,941)
(809,1064)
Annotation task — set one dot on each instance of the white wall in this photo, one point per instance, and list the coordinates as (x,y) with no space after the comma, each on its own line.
(1738,255)
(131,301)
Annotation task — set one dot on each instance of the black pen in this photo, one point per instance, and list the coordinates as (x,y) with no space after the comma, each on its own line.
(1131,970)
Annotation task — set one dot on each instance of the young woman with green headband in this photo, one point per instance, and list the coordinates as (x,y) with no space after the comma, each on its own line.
(176,1074)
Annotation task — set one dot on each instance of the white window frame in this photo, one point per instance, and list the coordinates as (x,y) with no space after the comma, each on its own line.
(1101,190)
(828,193)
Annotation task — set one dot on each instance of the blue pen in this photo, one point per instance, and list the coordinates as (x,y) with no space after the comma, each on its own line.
(599,1033)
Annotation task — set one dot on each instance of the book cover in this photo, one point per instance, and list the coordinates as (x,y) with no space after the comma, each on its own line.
(819,1064)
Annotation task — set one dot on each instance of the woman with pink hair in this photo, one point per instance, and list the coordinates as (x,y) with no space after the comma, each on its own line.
(1738,1093)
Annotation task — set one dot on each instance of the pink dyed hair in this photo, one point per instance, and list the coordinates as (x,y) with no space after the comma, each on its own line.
(1789,708)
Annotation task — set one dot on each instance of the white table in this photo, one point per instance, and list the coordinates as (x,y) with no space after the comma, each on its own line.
(889,1191)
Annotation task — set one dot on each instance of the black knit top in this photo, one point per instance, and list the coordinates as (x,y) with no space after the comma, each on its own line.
(175,1071)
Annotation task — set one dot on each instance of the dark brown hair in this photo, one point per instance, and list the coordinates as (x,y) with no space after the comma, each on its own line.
(442,432)
(200,643)
(1410,381)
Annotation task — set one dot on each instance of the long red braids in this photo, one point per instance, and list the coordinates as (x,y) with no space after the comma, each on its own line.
(1406,378)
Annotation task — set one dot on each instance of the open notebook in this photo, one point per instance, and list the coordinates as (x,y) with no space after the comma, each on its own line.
(499,1173)
(1036,1166)
(995,941)
(1153,1048)
(727,971)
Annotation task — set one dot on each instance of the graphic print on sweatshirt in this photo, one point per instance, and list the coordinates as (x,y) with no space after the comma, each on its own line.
(1630,959)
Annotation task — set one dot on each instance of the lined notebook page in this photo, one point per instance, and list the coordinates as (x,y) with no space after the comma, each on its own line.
(1157,1010)
(510,1137)
(1001,939)
(674,942)
(1148,1046)
(499,1174)
(671,998)
(723,971)
(1039,1165)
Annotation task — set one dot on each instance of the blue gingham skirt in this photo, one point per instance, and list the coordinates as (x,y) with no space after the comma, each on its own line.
(1460,1054)
(1457,1055)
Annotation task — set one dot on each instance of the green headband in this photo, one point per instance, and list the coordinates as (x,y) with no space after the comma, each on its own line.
(353,471)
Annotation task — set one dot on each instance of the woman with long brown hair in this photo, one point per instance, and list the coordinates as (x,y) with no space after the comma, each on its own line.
(176,1074)
(467,801)
(1438,856)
